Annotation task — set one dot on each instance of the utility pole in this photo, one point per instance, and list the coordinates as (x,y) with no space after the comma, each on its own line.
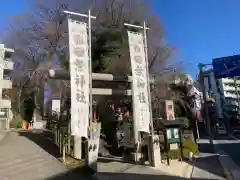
(207,119)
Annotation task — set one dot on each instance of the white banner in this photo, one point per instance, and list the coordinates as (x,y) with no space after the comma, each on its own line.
(56,105)
(79,73)
(169,106)
(140,84)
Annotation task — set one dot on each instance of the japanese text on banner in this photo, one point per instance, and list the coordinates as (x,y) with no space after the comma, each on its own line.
(140,83)
(79,73)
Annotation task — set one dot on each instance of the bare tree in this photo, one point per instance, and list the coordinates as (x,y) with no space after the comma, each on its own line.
(41,32)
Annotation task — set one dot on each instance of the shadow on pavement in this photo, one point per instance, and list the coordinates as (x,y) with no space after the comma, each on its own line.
(76,174)
(232,150)
(42,139)
(208,160)
(209,164)
(109,159)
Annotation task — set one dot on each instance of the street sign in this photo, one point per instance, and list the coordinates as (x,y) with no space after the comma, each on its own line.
(173,135)
(226,66)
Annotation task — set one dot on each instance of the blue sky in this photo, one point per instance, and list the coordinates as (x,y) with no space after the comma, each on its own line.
(199,29)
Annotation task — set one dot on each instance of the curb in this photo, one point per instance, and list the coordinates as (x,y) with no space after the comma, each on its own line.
(229,173)
(188,171)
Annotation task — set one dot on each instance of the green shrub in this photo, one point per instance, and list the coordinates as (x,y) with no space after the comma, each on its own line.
(191,146)
(16,122)
(188,146)
(185,121)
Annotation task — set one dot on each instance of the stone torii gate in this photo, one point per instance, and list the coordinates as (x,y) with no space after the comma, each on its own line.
(6,65)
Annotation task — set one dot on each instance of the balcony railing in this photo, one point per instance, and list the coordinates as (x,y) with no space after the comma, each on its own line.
(230,80)
(230,88)
(230,95)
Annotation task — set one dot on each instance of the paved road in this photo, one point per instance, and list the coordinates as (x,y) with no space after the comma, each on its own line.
(231,146)
(207,160)
(27,156)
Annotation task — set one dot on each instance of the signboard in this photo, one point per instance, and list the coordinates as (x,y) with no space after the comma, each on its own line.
(173,135)
(56,104)
(95,130)
(93,145)
(156,150)
(169,105)
(226,66)
(140,83)
(79,77)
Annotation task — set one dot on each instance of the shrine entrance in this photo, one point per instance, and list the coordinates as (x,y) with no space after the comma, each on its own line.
(112,107)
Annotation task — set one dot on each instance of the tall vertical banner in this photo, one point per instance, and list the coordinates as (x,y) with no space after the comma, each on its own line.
(140,83)
(79,77)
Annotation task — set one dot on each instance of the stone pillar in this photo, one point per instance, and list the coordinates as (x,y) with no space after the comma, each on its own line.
(77,153)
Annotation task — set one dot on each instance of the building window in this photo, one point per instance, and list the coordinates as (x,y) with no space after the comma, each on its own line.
(7,74)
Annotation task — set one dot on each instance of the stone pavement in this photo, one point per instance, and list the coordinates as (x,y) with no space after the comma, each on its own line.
(26,155)
(230,167)
(207,165)
(2,134)
(30,155)
(112,169)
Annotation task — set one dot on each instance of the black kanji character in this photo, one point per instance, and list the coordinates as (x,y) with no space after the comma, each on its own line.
(81,97)
(142,98)
(79,65)
(137,49)
(78,39)
(139,70)
(79,51)
(140,83)
(80,80)
(138,59)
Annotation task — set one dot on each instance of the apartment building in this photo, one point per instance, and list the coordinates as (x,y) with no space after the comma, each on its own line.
(6,66)
(226,91)
(230,88)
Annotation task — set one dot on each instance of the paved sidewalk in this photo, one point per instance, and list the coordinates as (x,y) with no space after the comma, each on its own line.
(28,156)
(228,164)
(207,165)
(117,170)
(2,134)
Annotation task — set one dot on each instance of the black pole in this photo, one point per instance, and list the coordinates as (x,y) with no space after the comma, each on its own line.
(207,119)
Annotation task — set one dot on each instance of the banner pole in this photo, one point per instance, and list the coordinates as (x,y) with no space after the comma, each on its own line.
(90,66)
(150,144)
(151,153)
(91,156)
(148,81)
